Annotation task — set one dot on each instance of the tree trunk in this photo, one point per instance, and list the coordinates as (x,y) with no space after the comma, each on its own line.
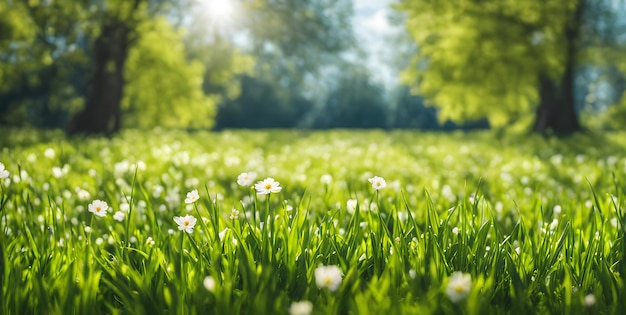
(557,111)
(102,113)
(557,108)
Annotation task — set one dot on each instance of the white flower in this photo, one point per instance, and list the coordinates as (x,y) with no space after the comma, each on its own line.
(57,172)
(149,241)
(351,205)
(49,153)
(119,216)
(98,207)
(246,179)
(590,300)
(192,196)
(301,308)
(124,206)
(328,277)
(3,172)
(326,179)
(83,194)
(378,182)
(459,286)
(234,214)
(186,223)
(209,284)
(222,234)
(266,186)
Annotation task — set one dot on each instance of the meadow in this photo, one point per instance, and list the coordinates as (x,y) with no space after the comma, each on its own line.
(355,222)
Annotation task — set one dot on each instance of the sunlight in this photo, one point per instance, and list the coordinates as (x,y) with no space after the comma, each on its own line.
(220,12)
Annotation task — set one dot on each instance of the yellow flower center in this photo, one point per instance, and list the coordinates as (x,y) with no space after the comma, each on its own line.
(328,280)
(186,223)
(98,209)
(458,288)
(268,186)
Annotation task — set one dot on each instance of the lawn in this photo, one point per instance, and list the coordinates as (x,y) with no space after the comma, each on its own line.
(356,222)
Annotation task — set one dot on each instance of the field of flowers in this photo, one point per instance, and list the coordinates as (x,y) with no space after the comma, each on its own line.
(289,222)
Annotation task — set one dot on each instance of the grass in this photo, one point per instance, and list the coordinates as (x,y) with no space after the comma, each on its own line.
(537,223)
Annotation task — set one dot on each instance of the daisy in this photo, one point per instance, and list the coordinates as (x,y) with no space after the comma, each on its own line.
(267,186)
(459,286)
(98,207)
(234,214)
(246,179)
(328,277)
(3,172)
(378,182)
(186,223)
(351,206)
(192,196)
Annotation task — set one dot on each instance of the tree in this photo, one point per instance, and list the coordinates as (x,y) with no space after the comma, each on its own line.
(99,59)
(292,43)
(504,59)
(116,26)
(41,62)
(354,101)
(168,83)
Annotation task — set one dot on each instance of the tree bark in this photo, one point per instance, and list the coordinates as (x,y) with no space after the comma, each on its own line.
(557,108)
(557,111)
(102,112)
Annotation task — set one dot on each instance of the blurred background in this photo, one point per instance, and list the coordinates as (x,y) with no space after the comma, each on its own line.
(96,66)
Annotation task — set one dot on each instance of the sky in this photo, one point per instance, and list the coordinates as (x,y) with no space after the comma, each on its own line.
(372,29)
(370,24)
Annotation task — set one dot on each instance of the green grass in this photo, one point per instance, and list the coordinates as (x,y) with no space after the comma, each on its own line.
(537,223)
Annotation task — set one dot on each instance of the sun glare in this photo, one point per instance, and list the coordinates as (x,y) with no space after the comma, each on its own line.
(220,12)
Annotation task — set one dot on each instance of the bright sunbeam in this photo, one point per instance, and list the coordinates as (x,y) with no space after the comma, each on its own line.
(219,13)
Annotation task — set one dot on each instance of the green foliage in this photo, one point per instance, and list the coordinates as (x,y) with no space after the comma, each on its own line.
(354,101)
(47,59)
(539,227)
(262,104)
(40,63)
(485,58)
(164,88)
(307,30)
(292,42)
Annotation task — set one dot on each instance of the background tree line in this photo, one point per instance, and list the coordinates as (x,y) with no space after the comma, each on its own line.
(95,66)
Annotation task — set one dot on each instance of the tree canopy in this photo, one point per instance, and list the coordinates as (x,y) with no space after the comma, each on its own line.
(504,59)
